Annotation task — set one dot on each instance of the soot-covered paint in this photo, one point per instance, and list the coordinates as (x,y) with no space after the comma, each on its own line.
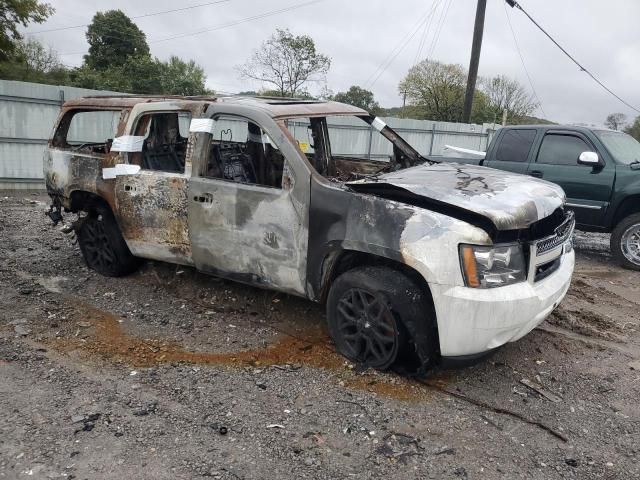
(292,237)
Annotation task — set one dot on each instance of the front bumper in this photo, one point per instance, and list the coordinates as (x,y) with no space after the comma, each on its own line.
(472,321)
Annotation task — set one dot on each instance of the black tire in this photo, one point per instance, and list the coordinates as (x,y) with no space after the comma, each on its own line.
(102,245)
(619,244)
(393,324)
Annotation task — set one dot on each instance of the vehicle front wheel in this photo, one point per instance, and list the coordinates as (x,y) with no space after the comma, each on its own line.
(102,245)
(625,242)
(377,317)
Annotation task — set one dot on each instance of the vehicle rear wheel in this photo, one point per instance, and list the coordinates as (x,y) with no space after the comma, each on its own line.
(102,245)
(378,317)
(625,242)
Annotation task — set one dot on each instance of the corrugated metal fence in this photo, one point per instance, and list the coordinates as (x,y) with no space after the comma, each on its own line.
(29,110)
(27,114)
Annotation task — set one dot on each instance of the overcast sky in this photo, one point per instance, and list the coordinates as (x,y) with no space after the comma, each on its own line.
(359,35)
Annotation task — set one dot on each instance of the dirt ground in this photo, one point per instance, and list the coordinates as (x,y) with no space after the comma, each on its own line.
(171,374)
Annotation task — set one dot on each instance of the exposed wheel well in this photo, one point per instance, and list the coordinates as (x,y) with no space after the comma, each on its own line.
(349,259)
(80,199)
(628,206)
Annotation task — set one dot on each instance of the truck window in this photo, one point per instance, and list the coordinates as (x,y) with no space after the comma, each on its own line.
(515,145)
(240,151)
(88,131)
(624,148)
(165,141)
(562,149)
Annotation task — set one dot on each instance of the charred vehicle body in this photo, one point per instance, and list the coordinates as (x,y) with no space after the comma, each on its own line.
(415,261)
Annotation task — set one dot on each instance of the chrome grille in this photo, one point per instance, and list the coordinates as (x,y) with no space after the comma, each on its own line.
(562,233)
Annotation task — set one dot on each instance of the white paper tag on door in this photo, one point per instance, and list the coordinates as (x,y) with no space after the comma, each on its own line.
(201,125)
(120,169)
(127,143)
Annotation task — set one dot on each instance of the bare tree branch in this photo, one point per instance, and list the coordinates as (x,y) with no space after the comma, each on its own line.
(616,121)
(287,62)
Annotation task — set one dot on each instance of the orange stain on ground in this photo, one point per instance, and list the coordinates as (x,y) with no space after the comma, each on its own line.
(110,341)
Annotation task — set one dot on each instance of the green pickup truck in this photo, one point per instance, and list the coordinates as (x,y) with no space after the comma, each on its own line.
(598,169)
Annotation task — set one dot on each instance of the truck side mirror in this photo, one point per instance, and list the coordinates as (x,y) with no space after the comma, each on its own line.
(590,159)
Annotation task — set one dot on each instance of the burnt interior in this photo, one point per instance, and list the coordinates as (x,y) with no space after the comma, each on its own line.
(164,149)
(344,168)
(254,159)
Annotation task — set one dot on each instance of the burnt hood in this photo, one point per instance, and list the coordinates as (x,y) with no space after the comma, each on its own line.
(509,201)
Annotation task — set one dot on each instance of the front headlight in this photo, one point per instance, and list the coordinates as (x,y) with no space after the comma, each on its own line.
(489,267)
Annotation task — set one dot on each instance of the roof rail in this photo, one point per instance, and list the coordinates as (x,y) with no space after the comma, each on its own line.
(159,97)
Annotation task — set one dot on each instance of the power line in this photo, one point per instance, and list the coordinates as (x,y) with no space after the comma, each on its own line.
(218,27)
(513,3)
(425,33)
(373,78)
(436,37)
(70,27)
(524,66)
(238,22)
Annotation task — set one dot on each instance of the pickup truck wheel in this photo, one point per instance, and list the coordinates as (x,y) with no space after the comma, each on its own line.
(103,248)
(371,312)
(625,242)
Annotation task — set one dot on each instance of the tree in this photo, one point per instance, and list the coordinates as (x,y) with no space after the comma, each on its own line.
(138,74)
(634,129)
(33,62)
(435,91)
(504,93)
(436,88)
(14,13)
(119,60)
(37,57)
(145,75)
(358,97)
(287,62)
(113,38)
(183,78)
(615,121)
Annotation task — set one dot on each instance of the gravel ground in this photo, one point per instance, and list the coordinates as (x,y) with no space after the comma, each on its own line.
(170,374)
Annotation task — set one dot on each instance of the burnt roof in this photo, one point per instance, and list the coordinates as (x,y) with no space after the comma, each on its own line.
(277,107)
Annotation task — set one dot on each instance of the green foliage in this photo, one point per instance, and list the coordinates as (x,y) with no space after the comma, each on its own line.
(182,78)
(113,38)
(358,97)
(144,75)
(634,129)
(504,93)
(14,13)
(119,60)
(139,74)
(116,61)
(33,62)
(287,62)
(435,91)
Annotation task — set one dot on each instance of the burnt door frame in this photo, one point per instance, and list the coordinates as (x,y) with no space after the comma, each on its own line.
(151,205)
(251,233)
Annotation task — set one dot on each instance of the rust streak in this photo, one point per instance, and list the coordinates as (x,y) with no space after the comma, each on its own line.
(110,341)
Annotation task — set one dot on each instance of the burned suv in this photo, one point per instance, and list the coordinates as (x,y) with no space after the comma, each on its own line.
(415,261)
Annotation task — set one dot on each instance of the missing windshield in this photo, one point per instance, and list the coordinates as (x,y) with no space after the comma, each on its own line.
(347,148)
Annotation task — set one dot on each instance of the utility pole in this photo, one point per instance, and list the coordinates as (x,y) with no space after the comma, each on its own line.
(478,30)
